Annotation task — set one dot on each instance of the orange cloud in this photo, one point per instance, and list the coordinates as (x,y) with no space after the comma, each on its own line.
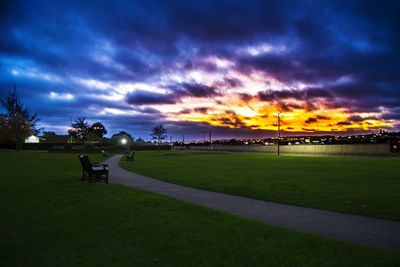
(263,115)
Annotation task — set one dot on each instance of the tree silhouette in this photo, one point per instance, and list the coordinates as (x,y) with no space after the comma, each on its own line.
(123,134)
(98,129)
(116,138)
(159,133)
(79,129)
(140,140)
(18,122)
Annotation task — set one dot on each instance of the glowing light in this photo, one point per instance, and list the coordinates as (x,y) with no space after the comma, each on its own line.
(124,141)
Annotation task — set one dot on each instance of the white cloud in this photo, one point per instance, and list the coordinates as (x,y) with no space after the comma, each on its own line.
(60,96)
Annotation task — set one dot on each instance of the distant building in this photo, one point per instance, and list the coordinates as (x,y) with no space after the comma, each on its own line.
(52,137)
(32,139)
(92,138)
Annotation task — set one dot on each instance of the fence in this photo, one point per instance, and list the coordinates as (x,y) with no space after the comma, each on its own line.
(343,149)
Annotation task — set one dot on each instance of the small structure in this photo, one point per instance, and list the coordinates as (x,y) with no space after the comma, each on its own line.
(32,139)
(52,137)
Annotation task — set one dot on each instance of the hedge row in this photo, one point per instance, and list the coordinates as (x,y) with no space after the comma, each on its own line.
(59,147)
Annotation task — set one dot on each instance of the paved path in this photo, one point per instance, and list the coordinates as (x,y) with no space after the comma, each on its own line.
(363,230)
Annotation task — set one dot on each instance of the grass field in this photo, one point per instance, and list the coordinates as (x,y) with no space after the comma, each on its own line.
(359,185)
(49,218)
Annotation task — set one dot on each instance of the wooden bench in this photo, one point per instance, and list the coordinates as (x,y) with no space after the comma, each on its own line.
(130,156)
(104,153)
(94,172)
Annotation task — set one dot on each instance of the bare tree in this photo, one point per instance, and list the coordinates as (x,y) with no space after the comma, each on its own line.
(159,133)
(18,120)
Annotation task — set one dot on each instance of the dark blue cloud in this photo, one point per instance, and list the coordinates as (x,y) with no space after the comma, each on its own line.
(178,91)
(194,90)
(141,97)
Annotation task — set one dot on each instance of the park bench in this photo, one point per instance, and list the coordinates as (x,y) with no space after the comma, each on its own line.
(130,156)
(104,153)
(94,172)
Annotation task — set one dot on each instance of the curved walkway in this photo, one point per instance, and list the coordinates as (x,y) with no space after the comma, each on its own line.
(358,229)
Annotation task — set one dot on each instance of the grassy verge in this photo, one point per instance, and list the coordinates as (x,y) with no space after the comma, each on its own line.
(49,218)
(363,186)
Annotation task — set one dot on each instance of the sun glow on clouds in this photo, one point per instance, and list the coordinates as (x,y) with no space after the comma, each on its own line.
(229,108)
(235,105)
(155,60)
(235,100)
(265,118)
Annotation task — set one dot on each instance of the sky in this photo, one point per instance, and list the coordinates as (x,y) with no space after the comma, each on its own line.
(329,67)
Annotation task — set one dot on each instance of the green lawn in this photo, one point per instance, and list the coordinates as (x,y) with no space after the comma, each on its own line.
(360,185)
(49,218)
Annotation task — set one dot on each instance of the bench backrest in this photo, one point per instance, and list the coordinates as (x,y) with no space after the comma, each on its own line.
(85,162)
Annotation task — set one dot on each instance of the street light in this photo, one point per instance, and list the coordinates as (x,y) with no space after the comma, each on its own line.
(124,141)
(279,130)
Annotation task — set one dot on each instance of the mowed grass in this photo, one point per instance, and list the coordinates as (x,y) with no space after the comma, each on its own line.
(49,218)
(358,185)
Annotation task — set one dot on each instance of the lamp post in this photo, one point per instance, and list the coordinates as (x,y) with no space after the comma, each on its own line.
(209,137)
(124,141)
(279,130)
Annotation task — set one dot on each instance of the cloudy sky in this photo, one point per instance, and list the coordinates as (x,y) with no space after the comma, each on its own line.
(328,66)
